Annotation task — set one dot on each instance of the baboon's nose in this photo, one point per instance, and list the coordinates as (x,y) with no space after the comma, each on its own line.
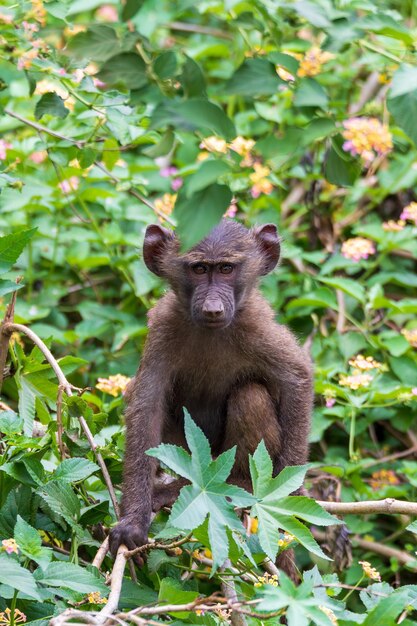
(213,309)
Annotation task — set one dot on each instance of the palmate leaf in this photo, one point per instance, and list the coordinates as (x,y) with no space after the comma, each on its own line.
(276,509)
(209,494)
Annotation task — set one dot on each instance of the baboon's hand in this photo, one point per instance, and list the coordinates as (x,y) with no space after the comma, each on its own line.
(129,533)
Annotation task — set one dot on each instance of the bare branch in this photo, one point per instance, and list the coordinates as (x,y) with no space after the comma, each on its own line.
(369,507)
(229,590)
(115,586)
(5,336)
(101,554)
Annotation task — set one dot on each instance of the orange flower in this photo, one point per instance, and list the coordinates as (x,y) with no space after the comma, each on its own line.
(313,61)
(113,385)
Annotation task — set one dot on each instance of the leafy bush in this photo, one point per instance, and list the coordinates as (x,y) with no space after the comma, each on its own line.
(117,115)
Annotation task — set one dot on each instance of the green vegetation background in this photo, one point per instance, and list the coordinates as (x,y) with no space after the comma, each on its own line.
(117,115)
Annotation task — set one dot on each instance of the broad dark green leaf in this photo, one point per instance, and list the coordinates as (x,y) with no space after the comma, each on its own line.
(339,167)
(194,114)
(311,94)
(192,79)
(51,104)
(255,77)
(207,174)
(402,99)
(71,576)
(13,574)
(11,247)
(98,43)
(127,69)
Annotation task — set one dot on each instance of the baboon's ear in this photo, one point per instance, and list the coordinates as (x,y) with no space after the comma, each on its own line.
(268,242)
(155,245)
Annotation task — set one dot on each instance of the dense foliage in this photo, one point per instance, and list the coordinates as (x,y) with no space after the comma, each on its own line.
(117,115)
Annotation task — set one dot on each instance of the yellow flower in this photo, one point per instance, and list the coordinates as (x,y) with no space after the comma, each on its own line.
(329,613)
(5,18)
(48,86)
(284,74)
(383,478)
(242,146)
(214,144)
(409,213)
(207,553)
(357,248)
(166,204)
(253,525)
(26,59)
(369,571)
(6,617)
(38,12)
(364,364)
(366,137)
(393,226)
(285,540)
(267,579)
(312,62)
(355,381)
(113,385)
(260,183)
(95,598)
(411,336)
(10,546)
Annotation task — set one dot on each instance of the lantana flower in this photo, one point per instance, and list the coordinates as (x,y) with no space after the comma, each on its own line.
(366,137)
(113,385)
(369,571)
(355,381)
(95,598)
(358,248)
(214,144)
(107,13)
(383,478)
(165,204)
(243,147)
(393,226)
(260,182)
(364,363)
(409,213)
(411,336)
(312,62)
(69,184)
(4,146)
(10,546)
(285,540)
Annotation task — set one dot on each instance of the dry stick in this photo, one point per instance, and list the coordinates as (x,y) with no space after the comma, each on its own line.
(60,427)
(115,585)
(196,28)
(5,337)
(7,329)
(152,545)
(391,457)
(229,590)
(369,507)
(101,554)
(79,143)
(341,319)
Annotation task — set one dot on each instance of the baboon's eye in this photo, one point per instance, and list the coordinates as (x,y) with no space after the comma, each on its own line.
(226,268)
(199,268)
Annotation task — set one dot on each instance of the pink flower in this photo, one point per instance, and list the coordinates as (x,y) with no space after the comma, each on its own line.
(107,13)
(176,183)
(4,146)
(357,248)
(168,171)
(39,156)
(330,402)
(71,184)
(409,213)
(414,391)
(231,211)
(366,137)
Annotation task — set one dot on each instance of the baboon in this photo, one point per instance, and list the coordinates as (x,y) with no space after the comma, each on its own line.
(214,348)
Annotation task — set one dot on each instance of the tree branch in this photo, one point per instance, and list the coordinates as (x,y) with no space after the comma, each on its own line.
(369,507)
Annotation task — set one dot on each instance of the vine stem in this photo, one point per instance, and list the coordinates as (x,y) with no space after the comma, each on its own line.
(7,329)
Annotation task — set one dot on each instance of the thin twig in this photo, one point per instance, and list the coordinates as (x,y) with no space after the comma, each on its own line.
(59,425)
(369,507)
(341,319)
(101,554)
(5,337)
(153,545)
(229,590)
(9,328)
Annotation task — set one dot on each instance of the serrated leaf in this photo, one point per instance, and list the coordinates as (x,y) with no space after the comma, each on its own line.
(11,247)
(59,495)
(75,469)
(27,399)
(255,77)
(348,285)
(8,286)
(207,174)
(126,69)
(14,575)
(402,99)
(71,576)
(98,43)
(30,543)
(51,104)
(174,457)
(302,507)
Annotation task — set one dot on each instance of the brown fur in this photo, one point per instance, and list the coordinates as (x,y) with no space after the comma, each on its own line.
(241,383)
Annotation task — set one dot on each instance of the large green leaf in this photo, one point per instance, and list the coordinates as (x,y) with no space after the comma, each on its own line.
(73,470)
(98,43)
(207,174)
(30,543)
(311,94)
(13,574)
(402,99)
(199,213)
(194,114)
(71,576)
(51,104)
(11,247)
(59,495)
(126,69)
(255,77)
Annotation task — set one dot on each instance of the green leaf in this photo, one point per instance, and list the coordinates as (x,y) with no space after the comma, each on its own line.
(59,495)
(163,147)
(127,69)
(27,399)
(11,247)
(255,77)
(388,609)
(302,507)
(98,43)
(198,214)
(8,286)
(349,286)
(14,575)
(71,576)
(75,469)
(165,65)
(284,60)
(194,114)
(111,153)
(311,94)
(209,494)
(386,25)
(30,543)
(340,168)
(319,298)
(192,79)
(51,104)
(10,423)
(172,591)
(312,12)
(207,174)
(402,99)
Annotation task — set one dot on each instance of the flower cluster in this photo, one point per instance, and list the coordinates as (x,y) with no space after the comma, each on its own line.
(383,478)
(10,546)
(107,13)
(267,579)
(165,205)
(69,184)
(214,144)
(362,363)
(355,381)
(243,147)
(4,146)
(330,398)
(95,598)
(409,213)
(393,226)
(113,385)
(366,137)
(411,336)
(231,210)
(6,617)
(369,571)
(285,540)
(312,62)
(358,248)
(259,180)
(330,614)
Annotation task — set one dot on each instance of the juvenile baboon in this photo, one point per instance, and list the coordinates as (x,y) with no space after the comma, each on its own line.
(214,348)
